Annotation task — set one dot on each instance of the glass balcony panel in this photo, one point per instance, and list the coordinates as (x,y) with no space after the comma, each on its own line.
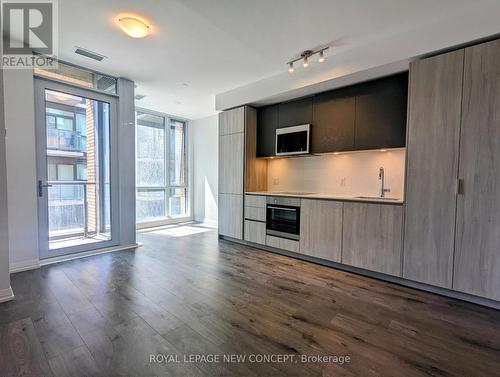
(177,201)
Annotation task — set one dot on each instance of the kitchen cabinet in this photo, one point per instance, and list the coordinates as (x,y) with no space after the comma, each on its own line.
(267,123)
(477,255)
(231,168)
(372,237)
(321,229)
(231,163)
(370,115)
(231,215)
(255,231)
(283,243)
(294,113)
(232,121)
(381,107)
(431,173)
(333,121)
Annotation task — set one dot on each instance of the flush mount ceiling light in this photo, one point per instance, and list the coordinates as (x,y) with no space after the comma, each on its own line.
(305,55)
(134,27)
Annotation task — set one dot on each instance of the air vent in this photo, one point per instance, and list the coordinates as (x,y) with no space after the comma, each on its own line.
(88,54)
(138,97)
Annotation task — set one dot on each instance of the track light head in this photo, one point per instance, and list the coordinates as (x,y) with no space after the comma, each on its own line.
(290,67)
(321,57)
(306,62)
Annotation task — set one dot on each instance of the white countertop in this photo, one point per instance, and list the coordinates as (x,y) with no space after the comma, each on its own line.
(328,196)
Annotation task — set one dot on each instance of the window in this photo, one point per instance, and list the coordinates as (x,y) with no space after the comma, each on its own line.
(160,167)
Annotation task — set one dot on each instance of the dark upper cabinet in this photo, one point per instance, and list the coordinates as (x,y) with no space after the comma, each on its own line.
(381,113)
(370,115)
(267,122)
(333,121)
(295,113)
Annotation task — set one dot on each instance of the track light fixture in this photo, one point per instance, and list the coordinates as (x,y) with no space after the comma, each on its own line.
(305,55)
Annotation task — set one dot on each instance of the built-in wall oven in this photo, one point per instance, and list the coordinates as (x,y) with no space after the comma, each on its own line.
(283,217)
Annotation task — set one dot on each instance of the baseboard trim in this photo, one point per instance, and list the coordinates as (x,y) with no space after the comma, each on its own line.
(24,266)
(64,258)
(375,275)
(6,295)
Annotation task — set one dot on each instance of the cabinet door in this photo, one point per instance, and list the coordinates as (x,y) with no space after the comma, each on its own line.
(232,121)
(333,122)
(477,254)
(321,229)
(231,163)
(231,215)
(381,113)
(295,113)
(372,237)
(432,168)
(255,231)
(267,123)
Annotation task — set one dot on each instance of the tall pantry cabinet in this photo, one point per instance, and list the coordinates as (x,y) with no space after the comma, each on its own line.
(452,210)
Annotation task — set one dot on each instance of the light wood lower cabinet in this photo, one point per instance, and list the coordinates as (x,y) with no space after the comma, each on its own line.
(231,215)
(283,243)
(255,231)
(371,237)
(321,229)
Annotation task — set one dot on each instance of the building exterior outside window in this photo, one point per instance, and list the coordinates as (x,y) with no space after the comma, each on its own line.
(161,167)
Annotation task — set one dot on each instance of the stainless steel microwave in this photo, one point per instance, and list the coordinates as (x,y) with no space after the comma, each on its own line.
(292,140)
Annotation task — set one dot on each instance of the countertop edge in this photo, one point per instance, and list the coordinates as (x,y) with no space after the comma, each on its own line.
(327,197)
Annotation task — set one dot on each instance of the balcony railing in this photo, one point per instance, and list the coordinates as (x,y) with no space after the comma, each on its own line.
(66,140)
(68,207)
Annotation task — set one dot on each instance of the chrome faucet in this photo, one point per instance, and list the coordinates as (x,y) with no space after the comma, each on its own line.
(381,177)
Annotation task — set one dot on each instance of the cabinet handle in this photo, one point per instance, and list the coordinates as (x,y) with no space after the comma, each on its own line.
(460,186)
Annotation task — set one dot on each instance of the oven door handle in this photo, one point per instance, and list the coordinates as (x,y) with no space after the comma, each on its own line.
(283,208)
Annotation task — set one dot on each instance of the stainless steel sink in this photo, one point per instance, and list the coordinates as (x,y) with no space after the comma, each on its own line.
(377,198)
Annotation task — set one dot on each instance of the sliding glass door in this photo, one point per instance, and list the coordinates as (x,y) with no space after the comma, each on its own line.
(161,168)
(75,184)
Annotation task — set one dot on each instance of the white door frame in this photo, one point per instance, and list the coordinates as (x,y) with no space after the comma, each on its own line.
(41,152)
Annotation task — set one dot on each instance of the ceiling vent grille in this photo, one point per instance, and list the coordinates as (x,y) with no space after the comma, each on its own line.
(88,54)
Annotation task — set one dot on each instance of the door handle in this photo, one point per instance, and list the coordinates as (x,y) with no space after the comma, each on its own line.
(41,186)
(460,187)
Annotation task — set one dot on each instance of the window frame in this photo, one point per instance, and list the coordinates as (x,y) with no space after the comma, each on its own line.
(167,186)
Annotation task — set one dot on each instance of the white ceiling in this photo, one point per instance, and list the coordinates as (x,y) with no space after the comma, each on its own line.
(200,48)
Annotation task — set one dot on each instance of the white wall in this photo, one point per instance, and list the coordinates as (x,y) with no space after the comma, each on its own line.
(354,173)
(21,168)
(5,290)
(205,155)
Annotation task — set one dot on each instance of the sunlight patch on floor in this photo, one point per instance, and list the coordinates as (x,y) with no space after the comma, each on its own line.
(181,231)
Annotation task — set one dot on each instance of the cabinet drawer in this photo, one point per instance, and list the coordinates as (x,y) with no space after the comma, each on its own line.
(255,201)
(282,243)
(255,213)
(255,232)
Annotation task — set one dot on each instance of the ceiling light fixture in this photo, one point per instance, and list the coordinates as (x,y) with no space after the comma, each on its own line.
(306,63)
(305,55)
(321,57)
(134,27)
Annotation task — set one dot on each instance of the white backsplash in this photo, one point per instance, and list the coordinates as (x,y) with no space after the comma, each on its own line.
(353,173)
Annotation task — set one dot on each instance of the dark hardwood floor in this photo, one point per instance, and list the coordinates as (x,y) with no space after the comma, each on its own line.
(187,294)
